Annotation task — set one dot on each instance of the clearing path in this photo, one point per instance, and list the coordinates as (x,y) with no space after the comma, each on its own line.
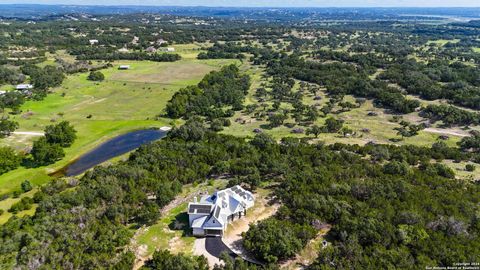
(459,133)
(28,133)
(309,253)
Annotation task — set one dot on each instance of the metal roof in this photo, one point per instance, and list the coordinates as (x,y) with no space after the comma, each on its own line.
(199,209)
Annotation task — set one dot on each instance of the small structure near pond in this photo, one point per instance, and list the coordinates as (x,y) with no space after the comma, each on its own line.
(211,215)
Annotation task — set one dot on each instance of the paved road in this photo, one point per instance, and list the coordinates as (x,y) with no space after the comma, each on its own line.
(215,247)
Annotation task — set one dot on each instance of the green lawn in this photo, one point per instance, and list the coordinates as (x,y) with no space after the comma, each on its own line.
(125,101)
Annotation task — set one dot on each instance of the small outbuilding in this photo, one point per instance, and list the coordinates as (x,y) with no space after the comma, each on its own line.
(124,67)
(166,49)
(93,41)
(24,86)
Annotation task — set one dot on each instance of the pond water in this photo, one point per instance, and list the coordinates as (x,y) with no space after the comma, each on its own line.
(112,148)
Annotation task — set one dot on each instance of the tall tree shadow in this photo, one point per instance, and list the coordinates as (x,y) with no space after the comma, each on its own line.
(180,223)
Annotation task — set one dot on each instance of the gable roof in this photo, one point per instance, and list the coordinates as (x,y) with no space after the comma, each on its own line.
(220,205)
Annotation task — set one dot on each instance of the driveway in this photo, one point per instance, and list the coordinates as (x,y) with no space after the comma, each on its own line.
(215,246)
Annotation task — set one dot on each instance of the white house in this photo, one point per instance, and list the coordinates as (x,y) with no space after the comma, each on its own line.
(211,215)
(93,41)
(124,67)
(24,86)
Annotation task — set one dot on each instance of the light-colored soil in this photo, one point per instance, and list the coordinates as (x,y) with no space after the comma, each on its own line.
(308,254)
(452,132)
(28,133)
(263,209)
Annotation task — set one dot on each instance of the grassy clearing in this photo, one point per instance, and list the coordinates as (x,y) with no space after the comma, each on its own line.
(461,172)
(125,101)
(7,203)
(442,42)
(380,128)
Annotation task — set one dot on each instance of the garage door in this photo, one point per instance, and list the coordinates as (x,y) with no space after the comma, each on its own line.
(213,232)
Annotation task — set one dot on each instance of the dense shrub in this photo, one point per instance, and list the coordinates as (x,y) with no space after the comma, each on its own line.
(96,76)
(44,153)
(9,159)
(272,240)
(164,260)
(63,134)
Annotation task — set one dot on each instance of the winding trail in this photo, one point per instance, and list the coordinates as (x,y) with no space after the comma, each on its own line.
(446,132)
(28,133)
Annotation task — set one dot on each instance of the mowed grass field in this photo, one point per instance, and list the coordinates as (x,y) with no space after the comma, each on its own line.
(126,100)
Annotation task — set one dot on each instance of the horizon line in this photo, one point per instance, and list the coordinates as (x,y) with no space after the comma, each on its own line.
(218,6)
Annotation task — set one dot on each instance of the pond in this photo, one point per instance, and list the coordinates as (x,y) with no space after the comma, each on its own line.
(113,148)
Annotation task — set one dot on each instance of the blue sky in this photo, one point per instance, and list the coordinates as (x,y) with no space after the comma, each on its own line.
(268,3)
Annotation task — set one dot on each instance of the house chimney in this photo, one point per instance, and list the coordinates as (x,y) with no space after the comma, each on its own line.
(195,199)
(224,203)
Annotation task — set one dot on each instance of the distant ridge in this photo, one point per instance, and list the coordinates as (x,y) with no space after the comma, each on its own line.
(35,11)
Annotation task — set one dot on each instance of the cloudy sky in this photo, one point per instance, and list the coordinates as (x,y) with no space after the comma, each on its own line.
(266,3)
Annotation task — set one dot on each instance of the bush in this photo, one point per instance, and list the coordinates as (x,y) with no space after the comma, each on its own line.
(96,76)
(44,153)
(396,167)
(26,186)
(216,125)
(164,260)
(470,167)
(272,240)
(24,204)
(7,127)
(39,196)
(63,134)
(9,159)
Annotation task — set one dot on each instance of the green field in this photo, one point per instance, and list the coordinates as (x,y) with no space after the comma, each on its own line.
(126,100)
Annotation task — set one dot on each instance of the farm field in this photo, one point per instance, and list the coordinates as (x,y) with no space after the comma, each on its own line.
(126,100)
